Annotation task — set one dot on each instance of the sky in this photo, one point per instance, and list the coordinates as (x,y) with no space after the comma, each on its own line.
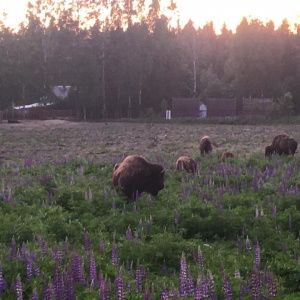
(230,12)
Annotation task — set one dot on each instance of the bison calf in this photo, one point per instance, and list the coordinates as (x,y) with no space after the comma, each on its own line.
(136,175)
(225,155)
(185,163)
(205,145)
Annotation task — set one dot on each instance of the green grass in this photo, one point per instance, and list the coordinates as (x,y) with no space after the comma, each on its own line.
(52,202)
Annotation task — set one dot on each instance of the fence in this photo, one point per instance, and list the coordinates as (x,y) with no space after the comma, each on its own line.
(43,114)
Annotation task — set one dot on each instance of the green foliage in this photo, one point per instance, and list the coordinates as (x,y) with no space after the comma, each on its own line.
(250,198)
(283,106)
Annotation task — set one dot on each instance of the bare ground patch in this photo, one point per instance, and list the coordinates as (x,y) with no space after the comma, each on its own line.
(53,140)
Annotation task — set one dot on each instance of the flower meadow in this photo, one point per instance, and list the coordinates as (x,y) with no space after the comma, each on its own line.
(231,231)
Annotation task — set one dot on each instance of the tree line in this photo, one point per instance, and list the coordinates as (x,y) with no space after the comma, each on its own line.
(124,58)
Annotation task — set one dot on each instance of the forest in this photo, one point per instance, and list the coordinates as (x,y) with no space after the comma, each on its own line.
(133,54)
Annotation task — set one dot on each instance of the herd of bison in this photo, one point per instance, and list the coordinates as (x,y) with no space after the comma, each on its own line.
(136,174)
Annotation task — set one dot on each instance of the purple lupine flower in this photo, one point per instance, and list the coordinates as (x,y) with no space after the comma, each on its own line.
(248,244)
(93,270)
(202,288)
(164,294)
(13,249)
(146,292)
(255,284)
(211,286)
(102,246)
(244,290)
(80,270)
(36,270)
(24,251)
(198,291)
(237,274)
(128,233)
(87,241)
(46,291)
(114,254)
(34,295)
(239,243)
(183,289)
(29,267)
(138,279)
(2,281)
(120,286)
(136,237)
(69,286)
(129,288)
(176,218)
(190,284)
(58,256)
(77,268)
(272,290)
(226,288)
(257,256)
(200,258)
(18,288)
(58,283)
(104,288)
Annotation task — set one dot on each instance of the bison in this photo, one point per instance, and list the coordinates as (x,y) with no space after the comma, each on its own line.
(187,164)
(282,144)
(269,151)
(205,145)
(286,146)
(225,155)
(136,175)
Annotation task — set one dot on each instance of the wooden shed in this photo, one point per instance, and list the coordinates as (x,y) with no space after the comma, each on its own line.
(185,107)
(221,107)
(256,106)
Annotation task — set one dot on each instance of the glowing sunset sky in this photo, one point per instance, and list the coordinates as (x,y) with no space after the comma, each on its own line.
(201,11)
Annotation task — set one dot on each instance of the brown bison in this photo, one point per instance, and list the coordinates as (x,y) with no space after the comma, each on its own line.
(187,164)
(136,175)
(282,144)
(205,145)
(226,154)
(286,146)
(269,151)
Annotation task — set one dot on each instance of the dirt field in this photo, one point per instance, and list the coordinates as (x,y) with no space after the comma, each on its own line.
(54,140)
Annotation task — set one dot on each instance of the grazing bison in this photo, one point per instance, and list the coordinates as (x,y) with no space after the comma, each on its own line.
(269,151)
(205,145)
(226,154)
(282,144)
(136,175)
(187,164)
(286,146)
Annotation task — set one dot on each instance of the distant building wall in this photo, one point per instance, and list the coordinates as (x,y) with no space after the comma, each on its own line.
(221,107)
(185,107)
(256,106)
